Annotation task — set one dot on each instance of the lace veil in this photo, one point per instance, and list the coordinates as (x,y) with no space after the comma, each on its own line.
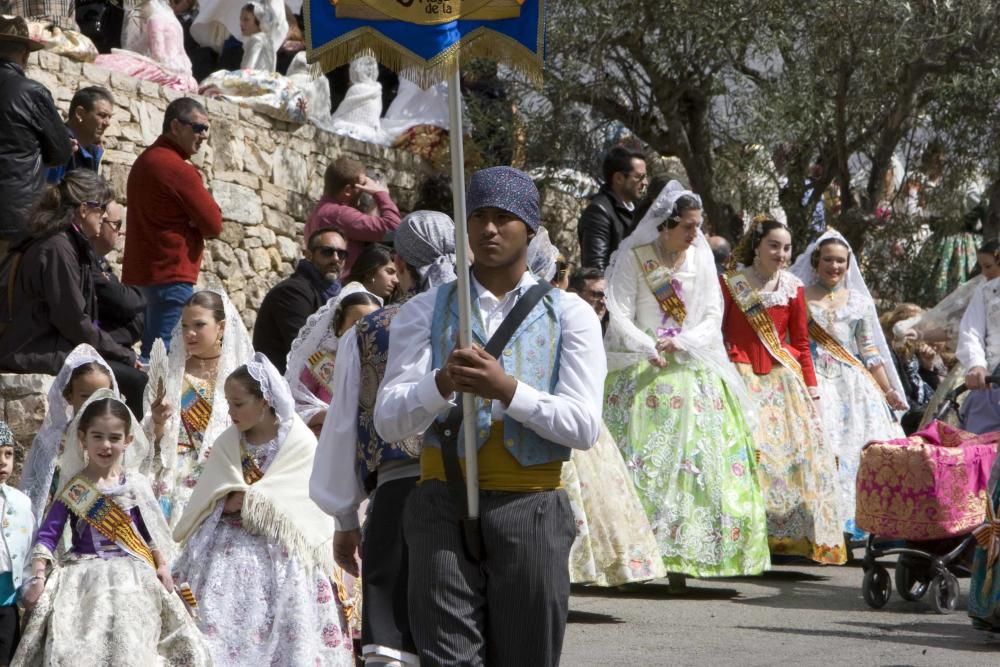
(275,390)
(40,464)
(627,344)
(236,350)
(854,281)
(316,334)
(137,492)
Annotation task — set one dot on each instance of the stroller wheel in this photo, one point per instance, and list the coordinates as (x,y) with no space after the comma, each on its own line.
(944,593)
(876,586)
(909,586)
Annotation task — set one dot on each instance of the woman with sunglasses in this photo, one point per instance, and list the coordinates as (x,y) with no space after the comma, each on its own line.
(48,304)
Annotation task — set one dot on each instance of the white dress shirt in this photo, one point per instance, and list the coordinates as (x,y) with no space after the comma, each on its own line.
(334,485)
(979,332)
(409,401)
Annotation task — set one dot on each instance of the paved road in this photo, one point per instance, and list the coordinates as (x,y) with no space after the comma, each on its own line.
(795,615)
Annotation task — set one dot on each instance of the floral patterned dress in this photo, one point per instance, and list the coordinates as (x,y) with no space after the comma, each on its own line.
(257,603)
(688,448)
(852,407)
(798,470)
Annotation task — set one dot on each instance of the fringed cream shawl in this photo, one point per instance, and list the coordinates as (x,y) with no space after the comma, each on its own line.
(278,506)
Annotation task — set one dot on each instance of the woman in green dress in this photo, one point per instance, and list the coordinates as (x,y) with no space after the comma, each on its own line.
(674,402)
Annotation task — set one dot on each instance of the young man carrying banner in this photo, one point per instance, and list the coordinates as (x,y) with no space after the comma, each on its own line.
(501,596)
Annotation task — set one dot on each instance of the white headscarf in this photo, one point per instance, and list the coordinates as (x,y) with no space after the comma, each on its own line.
(627,344)
(316,334)
(236,349)
(138,491)
(40,464)
(854,281)
(543,256)
(359,113)
(219,19)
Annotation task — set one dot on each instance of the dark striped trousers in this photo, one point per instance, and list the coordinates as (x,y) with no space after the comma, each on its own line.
(507,611)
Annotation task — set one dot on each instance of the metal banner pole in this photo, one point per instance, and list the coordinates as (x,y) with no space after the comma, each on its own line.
(464,288)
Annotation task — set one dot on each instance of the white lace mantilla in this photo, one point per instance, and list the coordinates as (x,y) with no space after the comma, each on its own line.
(788,286)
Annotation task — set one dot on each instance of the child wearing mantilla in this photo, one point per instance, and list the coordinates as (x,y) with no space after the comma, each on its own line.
(108,600)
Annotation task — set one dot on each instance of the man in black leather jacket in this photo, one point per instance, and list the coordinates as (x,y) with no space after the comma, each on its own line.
(608,218)
(33,136)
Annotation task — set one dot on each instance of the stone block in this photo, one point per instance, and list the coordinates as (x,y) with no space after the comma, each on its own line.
(239,299)
(275,256)
(291,170)
(249,244)
(169,94)
(222,251)
(266,236)
(256,160)
(243,258)
(149,118)
(229,147)
(278,221)
(123,83)
(71,69)
(232,235)
(259,260)
(288,249)
(238,177)
(149,89)
(237,202)
(25,415)
(15,385)
(95,75)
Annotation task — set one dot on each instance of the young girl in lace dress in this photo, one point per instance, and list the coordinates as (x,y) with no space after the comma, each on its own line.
(258,552)
(108,600)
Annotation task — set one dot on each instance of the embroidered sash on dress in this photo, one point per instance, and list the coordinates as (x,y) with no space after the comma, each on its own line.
(251,471)
(829,343)
(748,301)
(660,282)
(104,515)
(196,411)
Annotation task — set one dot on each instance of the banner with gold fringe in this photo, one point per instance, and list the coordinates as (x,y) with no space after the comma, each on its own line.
(424,37)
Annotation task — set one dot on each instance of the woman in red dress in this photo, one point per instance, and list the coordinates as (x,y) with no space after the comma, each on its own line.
(765,330)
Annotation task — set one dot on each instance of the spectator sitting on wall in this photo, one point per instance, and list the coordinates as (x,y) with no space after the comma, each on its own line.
(344,182)
(52,304)
(90,113)
(33,135)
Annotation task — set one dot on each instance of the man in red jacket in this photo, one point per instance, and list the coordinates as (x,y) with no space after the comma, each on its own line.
(170,214)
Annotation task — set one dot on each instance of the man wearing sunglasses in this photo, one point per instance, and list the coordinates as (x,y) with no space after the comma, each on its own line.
(290,303)
(170,214)
(122,307)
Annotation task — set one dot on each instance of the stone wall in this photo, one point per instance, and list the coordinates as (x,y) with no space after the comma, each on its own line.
(265,174)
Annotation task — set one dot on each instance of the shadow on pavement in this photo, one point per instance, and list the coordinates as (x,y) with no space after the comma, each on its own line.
(657,592)
(943,635)
(590,618)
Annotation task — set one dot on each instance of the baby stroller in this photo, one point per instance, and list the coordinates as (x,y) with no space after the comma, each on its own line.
(926,492)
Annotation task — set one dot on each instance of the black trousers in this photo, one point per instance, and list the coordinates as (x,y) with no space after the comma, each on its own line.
(385,625)
(10,633)
(507,611)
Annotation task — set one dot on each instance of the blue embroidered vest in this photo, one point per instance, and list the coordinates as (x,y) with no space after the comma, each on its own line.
(373,348)
(531,356)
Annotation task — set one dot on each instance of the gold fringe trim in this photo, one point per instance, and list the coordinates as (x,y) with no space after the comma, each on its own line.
(480,43)
(261,516)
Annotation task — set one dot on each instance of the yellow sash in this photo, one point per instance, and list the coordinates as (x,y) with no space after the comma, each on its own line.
(105,516)
(825,340)
(748,300)
(658,280)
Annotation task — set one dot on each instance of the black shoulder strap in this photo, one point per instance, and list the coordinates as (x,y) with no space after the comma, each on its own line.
(449,432)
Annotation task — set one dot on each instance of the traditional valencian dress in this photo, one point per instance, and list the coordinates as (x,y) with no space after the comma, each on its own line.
(262,575)
(312,358)
(768,340)
(846,343)
(682,428)
(201,412)
(40,478)
(103,604)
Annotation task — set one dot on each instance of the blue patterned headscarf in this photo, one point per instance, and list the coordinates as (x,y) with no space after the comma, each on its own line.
(505,188)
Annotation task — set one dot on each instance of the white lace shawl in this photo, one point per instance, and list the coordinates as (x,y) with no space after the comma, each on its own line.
(40,464)
(542,256)
(700,335)
(317,333)
(855,282)
(137,491)
(236,350)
